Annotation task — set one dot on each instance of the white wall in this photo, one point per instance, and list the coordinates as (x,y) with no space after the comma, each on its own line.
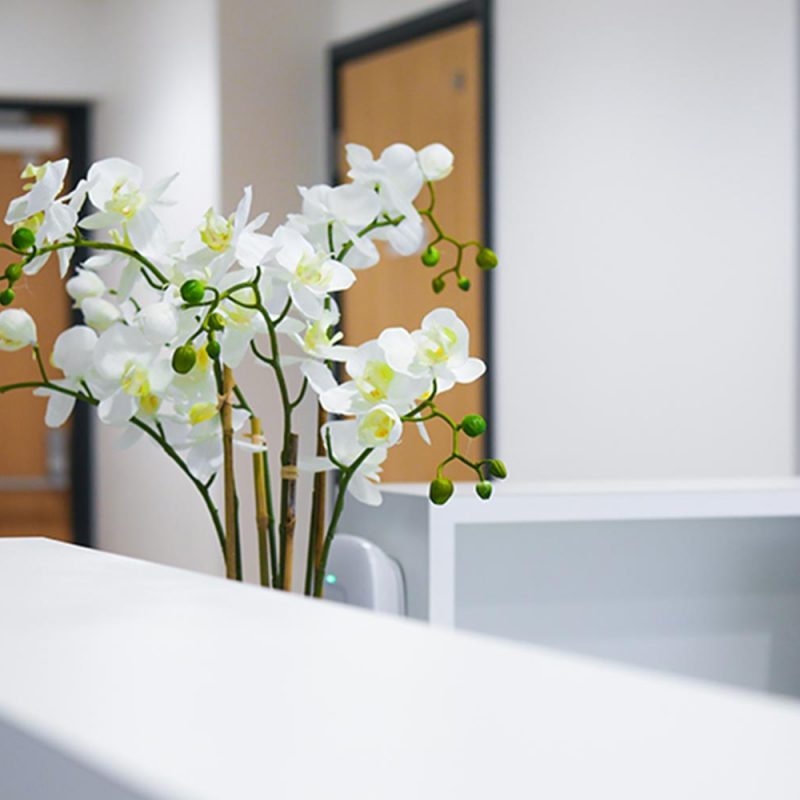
(149,70)
(359,17)
(645,218)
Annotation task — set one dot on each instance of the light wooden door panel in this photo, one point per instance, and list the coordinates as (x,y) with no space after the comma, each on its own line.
(34,497)
(427,90)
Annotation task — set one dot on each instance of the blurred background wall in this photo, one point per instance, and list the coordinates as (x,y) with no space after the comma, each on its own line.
(645,174)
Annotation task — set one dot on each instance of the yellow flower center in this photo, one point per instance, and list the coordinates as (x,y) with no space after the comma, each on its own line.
(374,383)
(217,231)
(378,425)
(33,223)
(439,344)
(202,412)
(126,198)
(35,172)
(309,271)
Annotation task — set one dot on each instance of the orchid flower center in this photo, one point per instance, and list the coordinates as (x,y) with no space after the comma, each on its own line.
(440,342)
(202,412)
(126,198)
(310,272)
(375,381)
(217,232)
(378,425)
(35,172)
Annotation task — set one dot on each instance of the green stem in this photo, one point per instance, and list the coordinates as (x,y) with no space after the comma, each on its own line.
(338,508)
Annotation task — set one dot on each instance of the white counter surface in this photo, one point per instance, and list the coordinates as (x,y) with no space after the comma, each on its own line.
(176,685)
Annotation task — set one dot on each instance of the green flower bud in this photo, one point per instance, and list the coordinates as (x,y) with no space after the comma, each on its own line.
(441,490)
(216,322)
(464,284)
(438,285)
(23,239)
(183,359)
(431,256)
(486,258)
(213,349)
(473,425)
(193,291)
(7,297)
(497,468)
(483,490)
(14,272)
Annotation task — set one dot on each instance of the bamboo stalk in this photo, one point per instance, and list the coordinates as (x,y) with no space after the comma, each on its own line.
(231,537)
(288,509)
(318,508)
(262,513)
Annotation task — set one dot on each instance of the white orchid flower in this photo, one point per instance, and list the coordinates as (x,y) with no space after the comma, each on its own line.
(381,426)
(397,178)
(17,330)
(40,194)
(374,382)
(333,216)
(311,273)
(435,161)
(242,324)
(318,338)
(115,189)
(136,371)
(48,218)
(72,354)
(225,241)
(85,283)
(439,350)
(158,322)
(99,313)
(345,447)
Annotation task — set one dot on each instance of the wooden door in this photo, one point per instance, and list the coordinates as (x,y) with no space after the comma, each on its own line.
(423,91)
(34,461)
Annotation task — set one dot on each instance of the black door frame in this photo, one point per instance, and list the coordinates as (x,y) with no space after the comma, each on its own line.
(447,17)
(81,463)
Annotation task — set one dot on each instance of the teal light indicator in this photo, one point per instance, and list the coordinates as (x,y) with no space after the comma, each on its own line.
(330,578)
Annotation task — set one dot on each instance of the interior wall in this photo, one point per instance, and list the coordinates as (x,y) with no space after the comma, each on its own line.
(645,216)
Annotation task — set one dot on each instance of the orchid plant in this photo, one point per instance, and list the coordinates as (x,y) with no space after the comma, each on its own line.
(165,325)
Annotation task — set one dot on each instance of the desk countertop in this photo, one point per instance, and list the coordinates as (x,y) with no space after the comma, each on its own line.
(177,685)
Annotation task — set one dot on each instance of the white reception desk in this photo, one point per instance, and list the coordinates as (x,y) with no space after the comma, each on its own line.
(124,680)
(695,578)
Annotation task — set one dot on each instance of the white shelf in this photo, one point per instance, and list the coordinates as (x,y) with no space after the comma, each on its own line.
(700,578)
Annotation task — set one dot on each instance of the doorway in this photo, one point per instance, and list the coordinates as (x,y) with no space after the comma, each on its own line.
(45,474)
(424,81)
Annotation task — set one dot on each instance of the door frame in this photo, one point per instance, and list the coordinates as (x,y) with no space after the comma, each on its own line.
(401,33)
(78,119)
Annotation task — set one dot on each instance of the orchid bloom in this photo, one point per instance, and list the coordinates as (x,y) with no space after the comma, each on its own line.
(17,329)
(334,216)
(345,448)
(225,241)
(72,354)
(374,381)
(115,189)
(136,371)
(440,349)
(397,178)
(311,273)
(48,218)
